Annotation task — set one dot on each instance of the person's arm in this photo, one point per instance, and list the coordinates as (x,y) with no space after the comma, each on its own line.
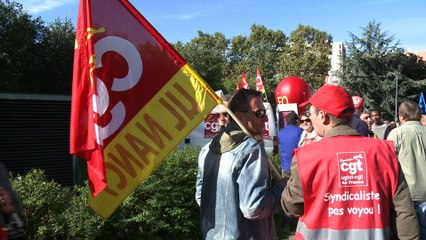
(199,179)
(292,196)
(8,198)
(6,204)
(393,136)
(388,130)
(407,226)
(257,199)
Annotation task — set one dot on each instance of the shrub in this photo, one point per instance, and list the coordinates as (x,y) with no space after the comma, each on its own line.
(43,203)
(163,207)
(82,222)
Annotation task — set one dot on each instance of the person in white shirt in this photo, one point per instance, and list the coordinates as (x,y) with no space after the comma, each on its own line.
(380,128)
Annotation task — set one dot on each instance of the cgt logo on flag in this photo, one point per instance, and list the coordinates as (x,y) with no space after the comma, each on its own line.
(352,169)
(244,82)
(211,126)
(259,82)
(134,100)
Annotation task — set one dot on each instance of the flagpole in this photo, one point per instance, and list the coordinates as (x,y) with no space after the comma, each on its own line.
(266,95)
(258,138)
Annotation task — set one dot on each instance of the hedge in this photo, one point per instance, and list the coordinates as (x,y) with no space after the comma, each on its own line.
(163,207)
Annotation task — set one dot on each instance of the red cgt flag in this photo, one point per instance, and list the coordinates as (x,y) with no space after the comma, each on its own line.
(82,128)
(244,83)
(259,82)
(134,100)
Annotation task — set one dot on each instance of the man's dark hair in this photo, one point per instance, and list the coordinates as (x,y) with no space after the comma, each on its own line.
(378,112)
(240,101)
(291,118)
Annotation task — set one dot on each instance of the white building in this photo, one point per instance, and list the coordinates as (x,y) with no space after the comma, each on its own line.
(337,53)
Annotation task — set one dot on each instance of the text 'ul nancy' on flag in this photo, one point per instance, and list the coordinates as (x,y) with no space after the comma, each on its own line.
(138,99)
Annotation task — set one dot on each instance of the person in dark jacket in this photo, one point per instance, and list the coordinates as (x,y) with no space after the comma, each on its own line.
(357,123)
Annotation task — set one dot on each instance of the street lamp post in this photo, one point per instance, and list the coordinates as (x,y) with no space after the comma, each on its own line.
(396,97)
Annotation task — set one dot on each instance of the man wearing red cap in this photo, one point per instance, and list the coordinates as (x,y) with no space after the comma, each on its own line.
(357,123)
(346,186)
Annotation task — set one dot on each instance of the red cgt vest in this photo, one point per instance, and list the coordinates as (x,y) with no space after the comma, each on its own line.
(348,184)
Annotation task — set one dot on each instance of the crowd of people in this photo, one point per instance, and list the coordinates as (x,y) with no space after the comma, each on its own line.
(346,173)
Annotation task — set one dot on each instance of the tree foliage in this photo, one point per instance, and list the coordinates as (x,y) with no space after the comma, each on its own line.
(58,46)
(207,55)
(37,58)
(34,58)
(260,49)
(20,37)
(304,54)
(307,55)
(375,63)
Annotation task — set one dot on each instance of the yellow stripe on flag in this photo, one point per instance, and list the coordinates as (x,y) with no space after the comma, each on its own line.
(151,135)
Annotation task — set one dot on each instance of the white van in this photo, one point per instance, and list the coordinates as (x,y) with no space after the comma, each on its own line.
(282,111)
(270,131)
(204,132)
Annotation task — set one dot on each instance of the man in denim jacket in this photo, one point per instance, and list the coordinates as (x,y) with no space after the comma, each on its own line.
(233,182)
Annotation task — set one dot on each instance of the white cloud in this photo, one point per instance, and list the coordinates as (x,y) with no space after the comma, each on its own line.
(186,17)
(38,6)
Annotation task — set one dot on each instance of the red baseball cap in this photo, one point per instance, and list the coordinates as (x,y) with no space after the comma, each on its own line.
(332,99)
(358,102)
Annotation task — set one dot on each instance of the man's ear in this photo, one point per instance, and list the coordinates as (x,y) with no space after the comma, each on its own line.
(239,115)
(323,117)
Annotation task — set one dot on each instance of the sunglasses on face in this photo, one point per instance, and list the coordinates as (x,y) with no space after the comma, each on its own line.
(305,120)
(260,113)
(223,114)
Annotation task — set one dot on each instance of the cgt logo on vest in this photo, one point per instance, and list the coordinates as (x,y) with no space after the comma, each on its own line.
(352,169)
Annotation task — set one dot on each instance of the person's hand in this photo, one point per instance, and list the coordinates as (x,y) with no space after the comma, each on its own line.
(392,124)
(6,202)
(259,139)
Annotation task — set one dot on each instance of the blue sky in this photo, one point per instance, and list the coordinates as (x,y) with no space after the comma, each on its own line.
(180,20)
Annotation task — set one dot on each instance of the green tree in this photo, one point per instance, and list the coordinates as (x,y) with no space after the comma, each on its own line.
(34,58)
(57,55)
(237,59)
(206,54)
(261,49)
(307,55)
(220,61)
(375,63)
(20,37)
